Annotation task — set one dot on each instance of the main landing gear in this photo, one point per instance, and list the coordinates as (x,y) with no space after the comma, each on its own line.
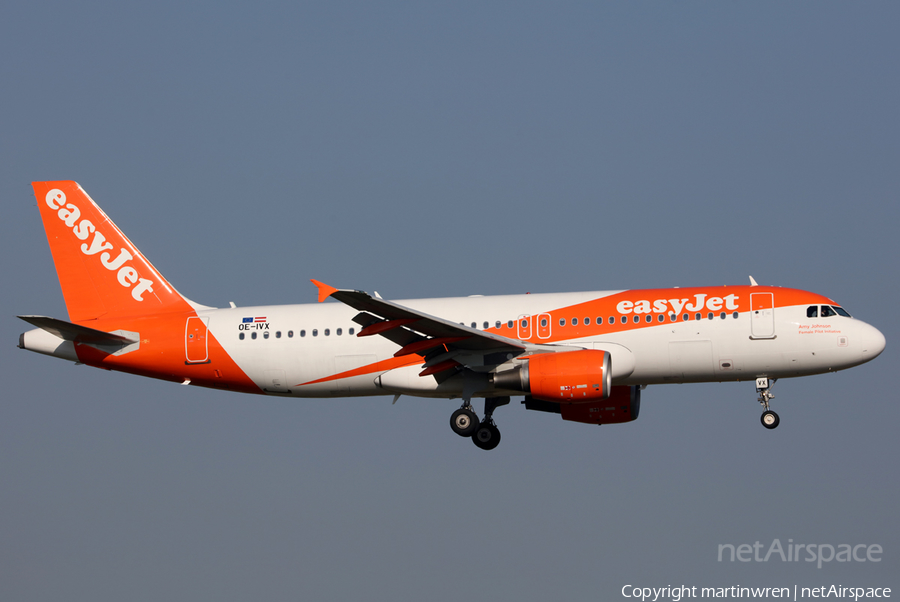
(769,418)
(485,433)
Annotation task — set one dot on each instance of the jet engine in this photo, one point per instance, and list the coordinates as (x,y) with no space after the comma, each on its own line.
(622,405)
(571,377)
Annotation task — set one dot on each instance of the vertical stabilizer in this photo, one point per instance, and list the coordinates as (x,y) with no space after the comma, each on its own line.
(100,272)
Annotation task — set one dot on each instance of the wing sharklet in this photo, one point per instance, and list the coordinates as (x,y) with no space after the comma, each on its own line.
(325,291)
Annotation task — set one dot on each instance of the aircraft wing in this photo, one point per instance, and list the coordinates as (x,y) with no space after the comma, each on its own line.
(445,345)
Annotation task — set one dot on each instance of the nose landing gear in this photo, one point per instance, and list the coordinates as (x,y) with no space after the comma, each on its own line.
(769,418)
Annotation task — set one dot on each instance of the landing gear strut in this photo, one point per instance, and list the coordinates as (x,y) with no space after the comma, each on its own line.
(769,418)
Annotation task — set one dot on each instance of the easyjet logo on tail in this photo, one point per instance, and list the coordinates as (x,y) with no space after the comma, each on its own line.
(126,275)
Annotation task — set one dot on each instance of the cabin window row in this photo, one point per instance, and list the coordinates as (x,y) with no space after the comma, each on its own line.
(290,333)
(599,321)
(511,324)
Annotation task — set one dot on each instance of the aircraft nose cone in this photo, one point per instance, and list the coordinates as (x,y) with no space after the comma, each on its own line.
(874,343)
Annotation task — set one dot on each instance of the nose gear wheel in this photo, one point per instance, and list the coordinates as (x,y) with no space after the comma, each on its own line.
(769,419)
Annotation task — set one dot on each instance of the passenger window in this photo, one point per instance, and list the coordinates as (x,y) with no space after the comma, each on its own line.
(278,334)
(648,319)
(710,315)
(685,317)
(253,335)
(266,334)
(734,315)
(339,331)
(587,322)
(543,322)
(612,319)
(637,319)
(574,321)
(599,321)
(509,324)
(812,311)
(624,320)
(327,331)
(562,321)
(486,325)
(722,315)
(351,331)
(524,324)
(827,312)
(672,317)
(474,325)
(698,316)
(315,332)
(497,324)
(661,317)
(241,336)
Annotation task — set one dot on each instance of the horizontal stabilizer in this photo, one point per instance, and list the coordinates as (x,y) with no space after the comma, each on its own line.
(75,333)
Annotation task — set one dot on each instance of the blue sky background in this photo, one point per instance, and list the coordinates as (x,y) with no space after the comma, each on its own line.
(444,149)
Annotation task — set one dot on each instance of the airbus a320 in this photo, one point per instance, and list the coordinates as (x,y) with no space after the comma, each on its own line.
(585,356)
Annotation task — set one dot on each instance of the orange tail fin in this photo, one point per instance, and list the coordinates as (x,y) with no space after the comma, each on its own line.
(101,273)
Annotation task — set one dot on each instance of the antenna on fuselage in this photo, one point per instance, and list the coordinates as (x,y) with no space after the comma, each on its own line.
(753,282)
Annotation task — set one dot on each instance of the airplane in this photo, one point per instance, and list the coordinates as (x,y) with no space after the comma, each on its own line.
(584,355)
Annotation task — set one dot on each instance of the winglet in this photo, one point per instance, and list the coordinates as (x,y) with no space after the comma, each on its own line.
(325,291)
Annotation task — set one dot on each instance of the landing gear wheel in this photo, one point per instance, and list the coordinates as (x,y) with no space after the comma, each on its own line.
(769,419)
(464,422)
(487,436)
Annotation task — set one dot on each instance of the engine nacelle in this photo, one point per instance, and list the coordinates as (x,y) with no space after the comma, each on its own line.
(622,405)
(566,377)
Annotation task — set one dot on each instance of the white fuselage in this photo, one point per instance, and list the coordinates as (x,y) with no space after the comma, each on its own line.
(298,344)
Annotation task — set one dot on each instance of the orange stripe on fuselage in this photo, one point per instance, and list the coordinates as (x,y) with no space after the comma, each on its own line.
(381,366)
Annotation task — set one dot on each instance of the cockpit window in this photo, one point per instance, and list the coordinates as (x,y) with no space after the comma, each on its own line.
(827,312)
(812,311)
(841,311)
